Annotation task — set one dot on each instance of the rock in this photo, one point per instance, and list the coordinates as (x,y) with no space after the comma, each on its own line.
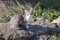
(40,37)
(52,37)
(44,22)
(53,25)
(17,34)
(40,26)
(57,20)
(41,21)
(1,37)
(36,29)
(44,37)
(3,27)
(58,25)
(47,37)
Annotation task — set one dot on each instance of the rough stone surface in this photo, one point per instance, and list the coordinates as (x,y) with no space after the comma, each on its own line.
(41,29)
(17,34)
(57,20)
(41,21)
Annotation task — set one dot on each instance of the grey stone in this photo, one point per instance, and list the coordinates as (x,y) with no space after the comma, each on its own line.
(41,21)
(57,20)
(53,25)
(53,37)
(36,29)
(44,37)
(17,34)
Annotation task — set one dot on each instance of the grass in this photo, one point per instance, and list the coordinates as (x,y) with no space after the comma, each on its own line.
(49,14)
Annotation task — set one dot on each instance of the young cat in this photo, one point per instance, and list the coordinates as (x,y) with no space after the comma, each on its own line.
(20,21)
(28,17)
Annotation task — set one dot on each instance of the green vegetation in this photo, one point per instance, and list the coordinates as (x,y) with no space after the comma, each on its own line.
(49,9)
(50,14)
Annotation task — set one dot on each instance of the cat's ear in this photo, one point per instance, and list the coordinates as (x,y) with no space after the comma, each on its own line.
(30,11)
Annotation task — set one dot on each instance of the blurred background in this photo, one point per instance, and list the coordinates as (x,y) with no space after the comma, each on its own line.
(49,9)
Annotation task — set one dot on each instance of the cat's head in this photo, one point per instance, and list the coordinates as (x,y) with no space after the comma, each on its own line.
(28,14)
